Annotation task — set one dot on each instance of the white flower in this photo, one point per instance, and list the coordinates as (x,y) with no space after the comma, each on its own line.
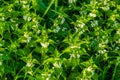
(57,29)
(38,31)
(43,74)
(63,20)
(81,25)
(55,23)
(102,51)
(46,75)
(57,65)
(12,20)
(10,10)
(92,2)
(17,1)
(29,64)
(89,69)
(118,31)
(49,75)
(0,58)
(28,39)
(78,55)
(26,18)
(118,41)
(0,45)
(3,18)
(29,18)
(94,23)
(101,45)
(45,44)
(16,25)
(63,29)
(24,2)
(92,15)
(76,29)
(74,46)
(47,78)
(30,72)
(72,55)
(25,6)
(26,34)
(105,8)
(34,26)
(71,1)
(0,63)
(117,48)
(1,55)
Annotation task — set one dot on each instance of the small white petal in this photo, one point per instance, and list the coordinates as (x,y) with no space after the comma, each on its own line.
(92,15)
(45,44)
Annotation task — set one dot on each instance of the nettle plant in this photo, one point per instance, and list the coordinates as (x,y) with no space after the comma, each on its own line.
(59,40)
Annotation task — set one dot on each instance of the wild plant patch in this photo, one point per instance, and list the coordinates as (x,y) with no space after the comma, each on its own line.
(59,40)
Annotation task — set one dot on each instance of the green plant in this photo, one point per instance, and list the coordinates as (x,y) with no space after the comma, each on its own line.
(59,40)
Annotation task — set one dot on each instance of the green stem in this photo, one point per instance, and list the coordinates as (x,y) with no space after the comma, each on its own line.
(113,76)
(48,8)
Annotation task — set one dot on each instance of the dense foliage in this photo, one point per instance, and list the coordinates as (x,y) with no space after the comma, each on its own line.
(59,40)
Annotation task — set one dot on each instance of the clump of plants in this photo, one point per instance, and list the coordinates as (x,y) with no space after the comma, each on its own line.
(59,40)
